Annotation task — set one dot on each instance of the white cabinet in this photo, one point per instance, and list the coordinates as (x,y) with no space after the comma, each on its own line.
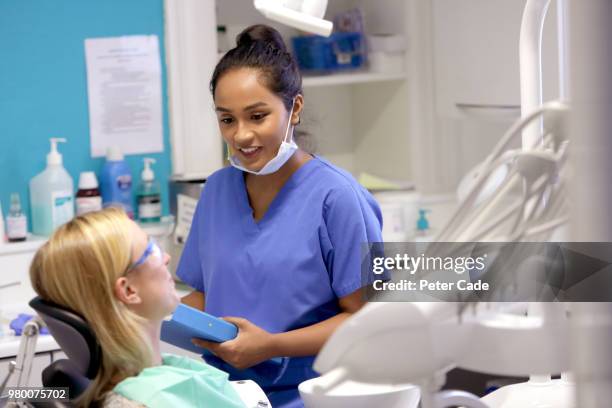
(39,363)
(15,259)
(475,57)
(191,54)
(476,49)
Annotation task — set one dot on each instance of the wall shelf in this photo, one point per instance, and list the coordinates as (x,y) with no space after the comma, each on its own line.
(350,78)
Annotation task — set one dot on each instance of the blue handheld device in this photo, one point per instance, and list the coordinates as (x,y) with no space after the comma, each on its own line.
(188,322)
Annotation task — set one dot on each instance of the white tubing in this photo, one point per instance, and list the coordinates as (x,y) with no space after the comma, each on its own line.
(563,44)
(530,59)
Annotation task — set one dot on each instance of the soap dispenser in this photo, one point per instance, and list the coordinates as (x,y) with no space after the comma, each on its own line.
(423,231)
(51,194)
(148,196)
(422,222)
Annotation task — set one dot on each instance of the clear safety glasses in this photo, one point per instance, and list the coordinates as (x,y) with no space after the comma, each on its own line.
(152,249)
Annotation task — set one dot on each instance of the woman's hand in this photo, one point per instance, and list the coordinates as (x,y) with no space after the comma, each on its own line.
(251,346)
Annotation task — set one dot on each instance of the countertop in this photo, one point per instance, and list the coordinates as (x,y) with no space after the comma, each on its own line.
(9,343)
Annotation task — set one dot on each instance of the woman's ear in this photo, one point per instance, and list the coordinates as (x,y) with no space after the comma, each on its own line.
(298,105)
(126,292)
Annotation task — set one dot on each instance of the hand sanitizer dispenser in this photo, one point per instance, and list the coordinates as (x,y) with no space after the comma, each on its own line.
(148,195)
(51,194)
(424,233)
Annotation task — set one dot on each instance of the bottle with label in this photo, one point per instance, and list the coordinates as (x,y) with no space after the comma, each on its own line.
(116,182)
(51,194)
(16,221)
(148,196)
(88,197)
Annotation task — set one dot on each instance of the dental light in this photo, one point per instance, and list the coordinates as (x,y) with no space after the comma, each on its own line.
(305,15)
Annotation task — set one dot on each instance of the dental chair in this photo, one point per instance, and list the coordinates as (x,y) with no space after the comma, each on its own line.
(78,341)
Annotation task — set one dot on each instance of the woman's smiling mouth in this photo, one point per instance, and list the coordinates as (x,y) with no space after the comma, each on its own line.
(249,152)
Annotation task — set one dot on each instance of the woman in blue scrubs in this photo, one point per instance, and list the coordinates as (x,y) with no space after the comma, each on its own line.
(276,241)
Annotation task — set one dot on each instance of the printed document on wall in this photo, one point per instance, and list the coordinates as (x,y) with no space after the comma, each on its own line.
(125,94)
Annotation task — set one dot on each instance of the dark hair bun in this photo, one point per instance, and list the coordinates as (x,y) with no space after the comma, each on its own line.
(262,48)
(262,33)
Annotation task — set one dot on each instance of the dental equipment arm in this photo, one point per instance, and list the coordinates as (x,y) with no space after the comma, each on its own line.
(23,364)
(545,160)
(394,343)
(418,343)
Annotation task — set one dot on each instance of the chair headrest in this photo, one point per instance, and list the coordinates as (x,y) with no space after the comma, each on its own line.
(73,334)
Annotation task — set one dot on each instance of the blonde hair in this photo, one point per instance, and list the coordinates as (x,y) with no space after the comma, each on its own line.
(77,268)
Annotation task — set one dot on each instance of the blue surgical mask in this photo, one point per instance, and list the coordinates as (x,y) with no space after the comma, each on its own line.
(285,151)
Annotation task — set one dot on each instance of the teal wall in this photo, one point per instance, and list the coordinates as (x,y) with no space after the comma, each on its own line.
(43,85)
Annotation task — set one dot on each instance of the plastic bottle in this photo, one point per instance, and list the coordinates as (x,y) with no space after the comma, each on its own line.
(88,197)
(422,222)
(51,194)
(16,221)
(148,196)
(116,182)
(424,233)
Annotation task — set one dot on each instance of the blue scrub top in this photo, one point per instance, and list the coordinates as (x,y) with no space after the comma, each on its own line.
(287,270)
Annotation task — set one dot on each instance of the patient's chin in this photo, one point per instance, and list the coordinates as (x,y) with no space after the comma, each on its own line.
(174,300)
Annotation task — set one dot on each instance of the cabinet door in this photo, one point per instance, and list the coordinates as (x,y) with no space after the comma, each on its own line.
(14,278)
(4,365)
(476,53)
(191,48)
(39,363)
